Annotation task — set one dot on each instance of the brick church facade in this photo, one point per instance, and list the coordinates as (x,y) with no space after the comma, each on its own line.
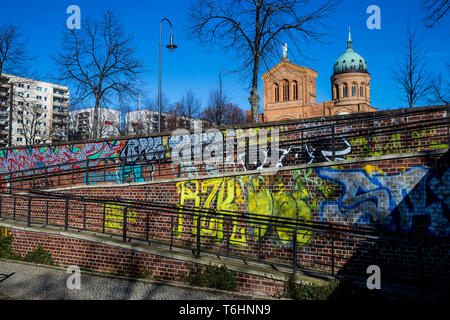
(290,89)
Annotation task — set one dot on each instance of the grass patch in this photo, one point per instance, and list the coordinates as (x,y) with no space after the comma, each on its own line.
(211,277)
(40,256)
(298,291)
(6,249)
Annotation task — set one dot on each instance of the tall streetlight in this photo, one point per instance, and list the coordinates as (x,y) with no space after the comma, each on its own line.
(171,48)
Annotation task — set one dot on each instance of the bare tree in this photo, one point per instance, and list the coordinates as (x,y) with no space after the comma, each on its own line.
(189,106)
(411,74)
(101,63)
(439,90)
(436,10)
(220,110)
(13,52)
(255,30)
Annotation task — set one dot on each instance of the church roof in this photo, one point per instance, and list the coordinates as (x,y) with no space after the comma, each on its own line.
(287,65)
(350,61)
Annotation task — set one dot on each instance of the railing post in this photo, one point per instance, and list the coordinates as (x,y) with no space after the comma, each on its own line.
(198,236)
(294,252)
(147,227)
(66,216)
(104,217)
(333,140)
(228,237)
(332,250)
(125,213)
(259,243)
(46,177)
(1,204)
(84,217)
(10,184)
(171,232)
(14,209)
(33,177)
(88,182)
(123,170)
(46,214)
(29,213)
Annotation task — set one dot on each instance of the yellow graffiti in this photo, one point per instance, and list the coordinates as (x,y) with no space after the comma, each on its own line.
(222,195)
(282,207)
(373,147)
(114,216)
(4,232)
(371,170)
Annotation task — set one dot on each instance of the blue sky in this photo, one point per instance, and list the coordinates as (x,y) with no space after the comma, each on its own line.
(195,67)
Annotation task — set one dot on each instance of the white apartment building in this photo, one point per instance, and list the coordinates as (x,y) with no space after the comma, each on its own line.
(81,123)
(146,121)
(39,114)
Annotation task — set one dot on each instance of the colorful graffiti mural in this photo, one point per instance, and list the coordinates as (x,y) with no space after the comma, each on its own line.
(228,196)
(392,202)
(40,157)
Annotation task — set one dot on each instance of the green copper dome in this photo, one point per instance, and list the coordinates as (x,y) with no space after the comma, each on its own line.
(350,61)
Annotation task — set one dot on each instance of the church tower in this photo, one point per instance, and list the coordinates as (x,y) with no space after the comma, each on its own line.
(351,82)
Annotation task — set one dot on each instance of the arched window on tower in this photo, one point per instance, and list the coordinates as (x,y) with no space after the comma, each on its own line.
(345,91)
(354,91)
(361,91)
(285,90)
(276,93)
(337,93)
(295,90)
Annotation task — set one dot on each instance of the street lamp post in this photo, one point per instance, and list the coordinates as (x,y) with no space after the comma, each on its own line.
(171,48)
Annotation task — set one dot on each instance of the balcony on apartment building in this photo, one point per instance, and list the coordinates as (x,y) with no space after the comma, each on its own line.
(60,111)
(62,94)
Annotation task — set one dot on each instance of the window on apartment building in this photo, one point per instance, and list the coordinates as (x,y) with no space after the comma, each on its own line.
(19,130)
(39,97)
(21,85)
(39,89)
(19,121)
(19,139)
(20,94)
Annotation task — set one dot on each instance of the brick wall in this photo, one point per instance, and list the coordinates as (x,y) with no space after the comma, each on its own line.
(391,181)
(89,255)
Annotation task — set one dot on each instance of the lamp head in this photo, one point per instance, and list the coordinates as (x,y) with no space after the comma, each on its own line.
(171,46)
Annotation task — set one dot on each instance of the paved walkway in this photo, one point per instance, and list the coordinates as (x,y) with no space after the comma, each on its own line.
(29,282)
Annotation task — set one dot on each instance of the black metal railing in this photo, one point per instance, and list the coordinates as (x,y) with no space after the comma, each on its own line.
(308,144)
(313,247)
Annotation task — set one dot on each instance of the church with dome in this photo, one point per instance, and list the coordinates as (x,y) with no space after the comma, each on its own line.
(290,89)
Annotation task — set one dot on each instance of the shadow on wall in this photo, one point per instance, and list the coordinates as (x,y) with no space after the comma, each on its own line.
(413,255)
